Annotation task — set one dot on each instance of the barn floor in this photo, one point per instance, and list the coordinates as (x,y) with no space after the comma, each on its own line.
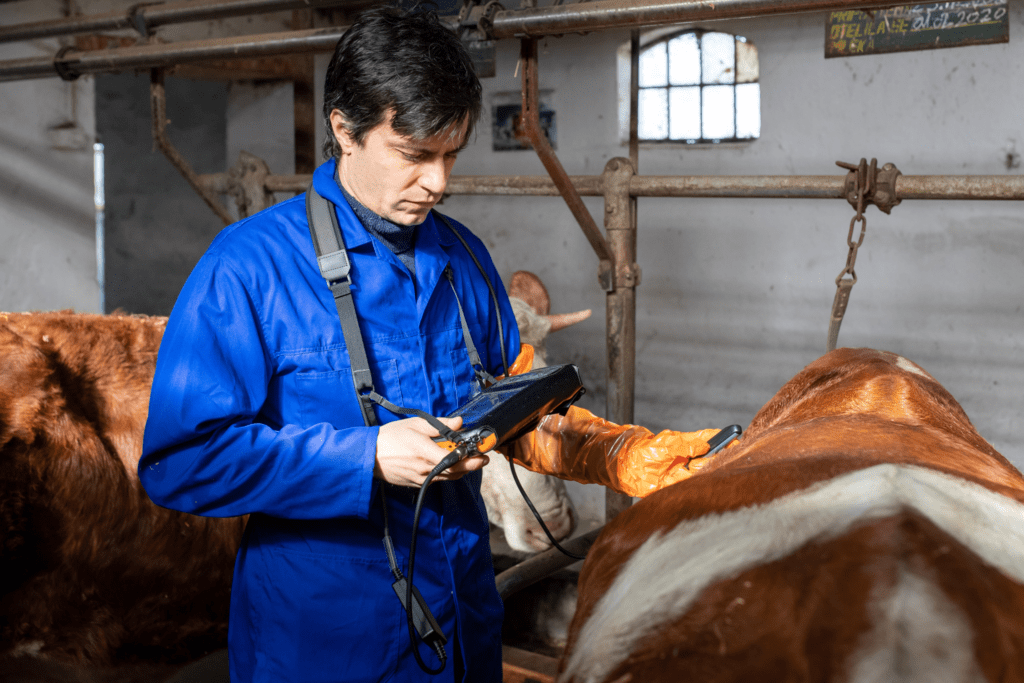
(523,666)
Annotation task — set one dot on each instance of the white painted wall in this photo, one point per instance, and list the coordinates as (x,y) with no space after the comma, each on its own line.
(47,224)
(736,294)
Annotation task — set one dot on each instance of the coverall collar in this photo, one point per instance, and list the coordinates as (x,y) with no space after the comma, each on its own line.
(353,232)
(433,240)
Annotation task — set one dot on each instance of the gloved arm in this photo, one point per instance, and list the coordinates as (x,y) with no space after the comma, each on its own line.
(626,458)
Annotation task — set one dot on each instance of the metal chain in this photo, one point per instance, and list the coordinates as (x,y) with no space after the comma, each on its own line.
(864,181)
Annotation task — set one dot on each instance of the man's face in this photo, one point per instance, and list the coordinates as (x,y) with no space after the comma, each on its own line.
(394,176)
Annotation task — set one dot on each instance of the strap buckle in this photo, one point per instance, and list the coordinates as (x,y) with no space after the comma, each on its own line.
(335,266)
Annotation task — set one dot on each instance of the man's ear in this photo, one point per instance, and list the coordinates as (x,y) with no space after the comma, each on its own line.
(341,133)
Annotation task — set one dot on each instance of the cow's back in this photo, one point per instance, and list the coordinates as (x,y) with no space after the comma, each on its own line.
(861,524)
(92,568)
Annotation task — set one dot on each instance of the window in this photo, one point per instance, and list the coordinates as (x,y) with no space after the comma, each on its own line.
(699,87)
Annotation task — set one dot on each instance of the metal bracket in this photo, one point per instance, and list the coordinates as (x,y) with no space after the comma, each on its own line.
(64,67)
(137,18)
(881,187)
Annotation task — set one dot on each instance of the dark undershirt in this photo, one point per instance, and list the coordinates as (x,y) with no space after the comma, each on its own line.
(398,238)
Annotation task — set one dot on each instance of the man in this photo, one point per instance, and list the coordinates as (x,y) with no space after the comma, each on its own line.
(254,410)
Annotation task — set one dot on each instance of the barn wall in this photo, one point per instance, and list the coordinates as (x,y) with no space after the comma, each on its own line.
(736,294)
(47,224)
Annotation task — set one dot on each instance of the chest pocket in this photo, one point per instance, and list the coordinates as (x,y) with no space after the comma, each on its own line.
(330,396)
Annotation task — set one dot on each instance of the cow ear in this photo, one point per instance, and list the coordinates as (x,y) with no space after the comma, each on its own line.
(527,287)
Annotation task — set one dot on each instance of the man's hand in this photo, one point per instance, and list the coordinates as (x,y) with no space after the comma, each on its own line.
(406,453)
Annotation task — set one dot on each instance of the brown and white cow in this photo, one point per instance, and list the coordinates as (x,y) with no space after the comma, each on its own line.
(862,531)
(91,571)
(516,531)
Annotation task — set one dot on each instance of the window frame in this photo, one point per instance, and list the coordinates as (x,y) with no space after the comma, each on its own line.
(664,37)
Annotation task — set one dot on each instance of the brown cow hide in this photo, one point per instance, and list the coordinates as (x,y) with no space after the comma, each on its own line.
(862,531)
(92,570)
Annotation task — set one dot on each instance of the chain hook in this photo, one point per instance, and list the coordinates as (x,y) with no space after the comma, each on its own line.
(864,182)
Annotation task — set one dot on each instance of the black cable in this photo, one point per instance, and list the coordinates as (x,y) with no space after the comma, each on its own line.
(449,460)
(494,296)
(536,514)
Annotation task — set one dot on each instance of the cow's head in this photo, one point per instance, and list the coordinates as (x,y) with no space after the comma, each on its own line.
(506,508)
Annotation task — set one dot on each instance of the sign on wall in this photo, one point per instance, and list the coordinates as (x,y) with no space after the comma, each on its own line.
(916,27)
(506,108)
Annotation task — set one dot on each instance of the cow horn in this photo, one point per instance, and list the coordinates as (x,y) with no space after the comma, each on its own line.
(563,320)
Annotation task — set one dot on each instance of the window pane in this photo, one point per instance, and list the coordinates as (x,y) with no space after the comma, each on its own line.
(653,66)
(719,56)
(748,110)
(746,62)
(684,111)
(684,60)
(717,112)
(653,115)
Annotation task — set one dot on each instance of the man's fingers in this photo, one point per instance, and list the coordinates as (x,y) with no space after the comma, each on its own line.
(418,424)
(466,466)
(452,422)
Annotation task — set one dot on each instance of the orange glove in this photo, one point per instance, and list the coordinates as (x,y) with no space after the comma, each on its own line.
(522,363)
(626,458)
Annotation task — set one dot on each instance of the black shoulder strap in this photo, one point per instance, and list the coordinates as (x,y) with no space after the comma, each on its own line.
(334,267)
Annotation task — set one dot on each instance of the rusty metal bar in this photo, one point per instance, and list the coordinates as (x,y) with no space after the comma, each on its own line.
(1010,187)
(634,99)
(142,17)
(151,56)
(620,306)
(960,187)
(530,119)
(605,14)
(531,571)
(158,103)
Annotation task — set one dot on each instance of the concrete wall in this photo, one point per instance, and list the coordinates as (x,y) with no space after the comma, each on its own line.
(736,294)
(47,225)
(157,227)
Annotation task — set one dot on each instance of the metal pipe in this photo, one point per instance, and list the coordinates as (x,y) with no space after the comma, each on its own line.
(531,128)
(158,103)
(150,56)
(634,99)
(620,307)
(604,14)
(762,186)
(960,187)
(144,17)
(529,572)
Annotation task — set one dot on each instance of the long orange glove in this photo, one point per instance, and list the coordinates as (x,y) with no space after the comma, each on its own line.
(626,458)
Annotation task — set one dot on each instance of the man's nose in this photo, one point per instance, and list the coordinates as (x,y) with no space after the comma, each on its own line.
(434,176)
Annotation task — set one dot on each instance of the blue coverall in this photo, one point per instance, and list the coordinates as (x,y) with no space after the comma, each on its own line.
(253,411)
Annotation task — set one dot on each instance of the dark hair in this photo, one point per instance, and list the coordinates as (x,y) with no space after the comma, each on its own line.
(407,62)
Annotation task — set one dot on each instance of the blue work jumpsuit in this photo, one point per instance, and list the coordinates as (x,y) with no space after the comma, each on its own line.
(253,411)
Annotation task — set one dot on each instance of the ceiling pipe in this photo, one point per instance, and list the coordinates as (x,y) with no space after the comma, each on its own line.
(70,64)
(144,18)
(605,14)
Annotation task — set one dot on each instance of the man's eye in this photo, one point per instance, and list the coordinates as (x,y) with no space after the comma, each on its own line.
(412,157)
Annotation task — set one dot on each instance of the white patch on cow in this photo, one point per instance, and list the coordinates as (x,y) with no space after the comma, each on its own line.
(910,366)
(919,636)
(666,574)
